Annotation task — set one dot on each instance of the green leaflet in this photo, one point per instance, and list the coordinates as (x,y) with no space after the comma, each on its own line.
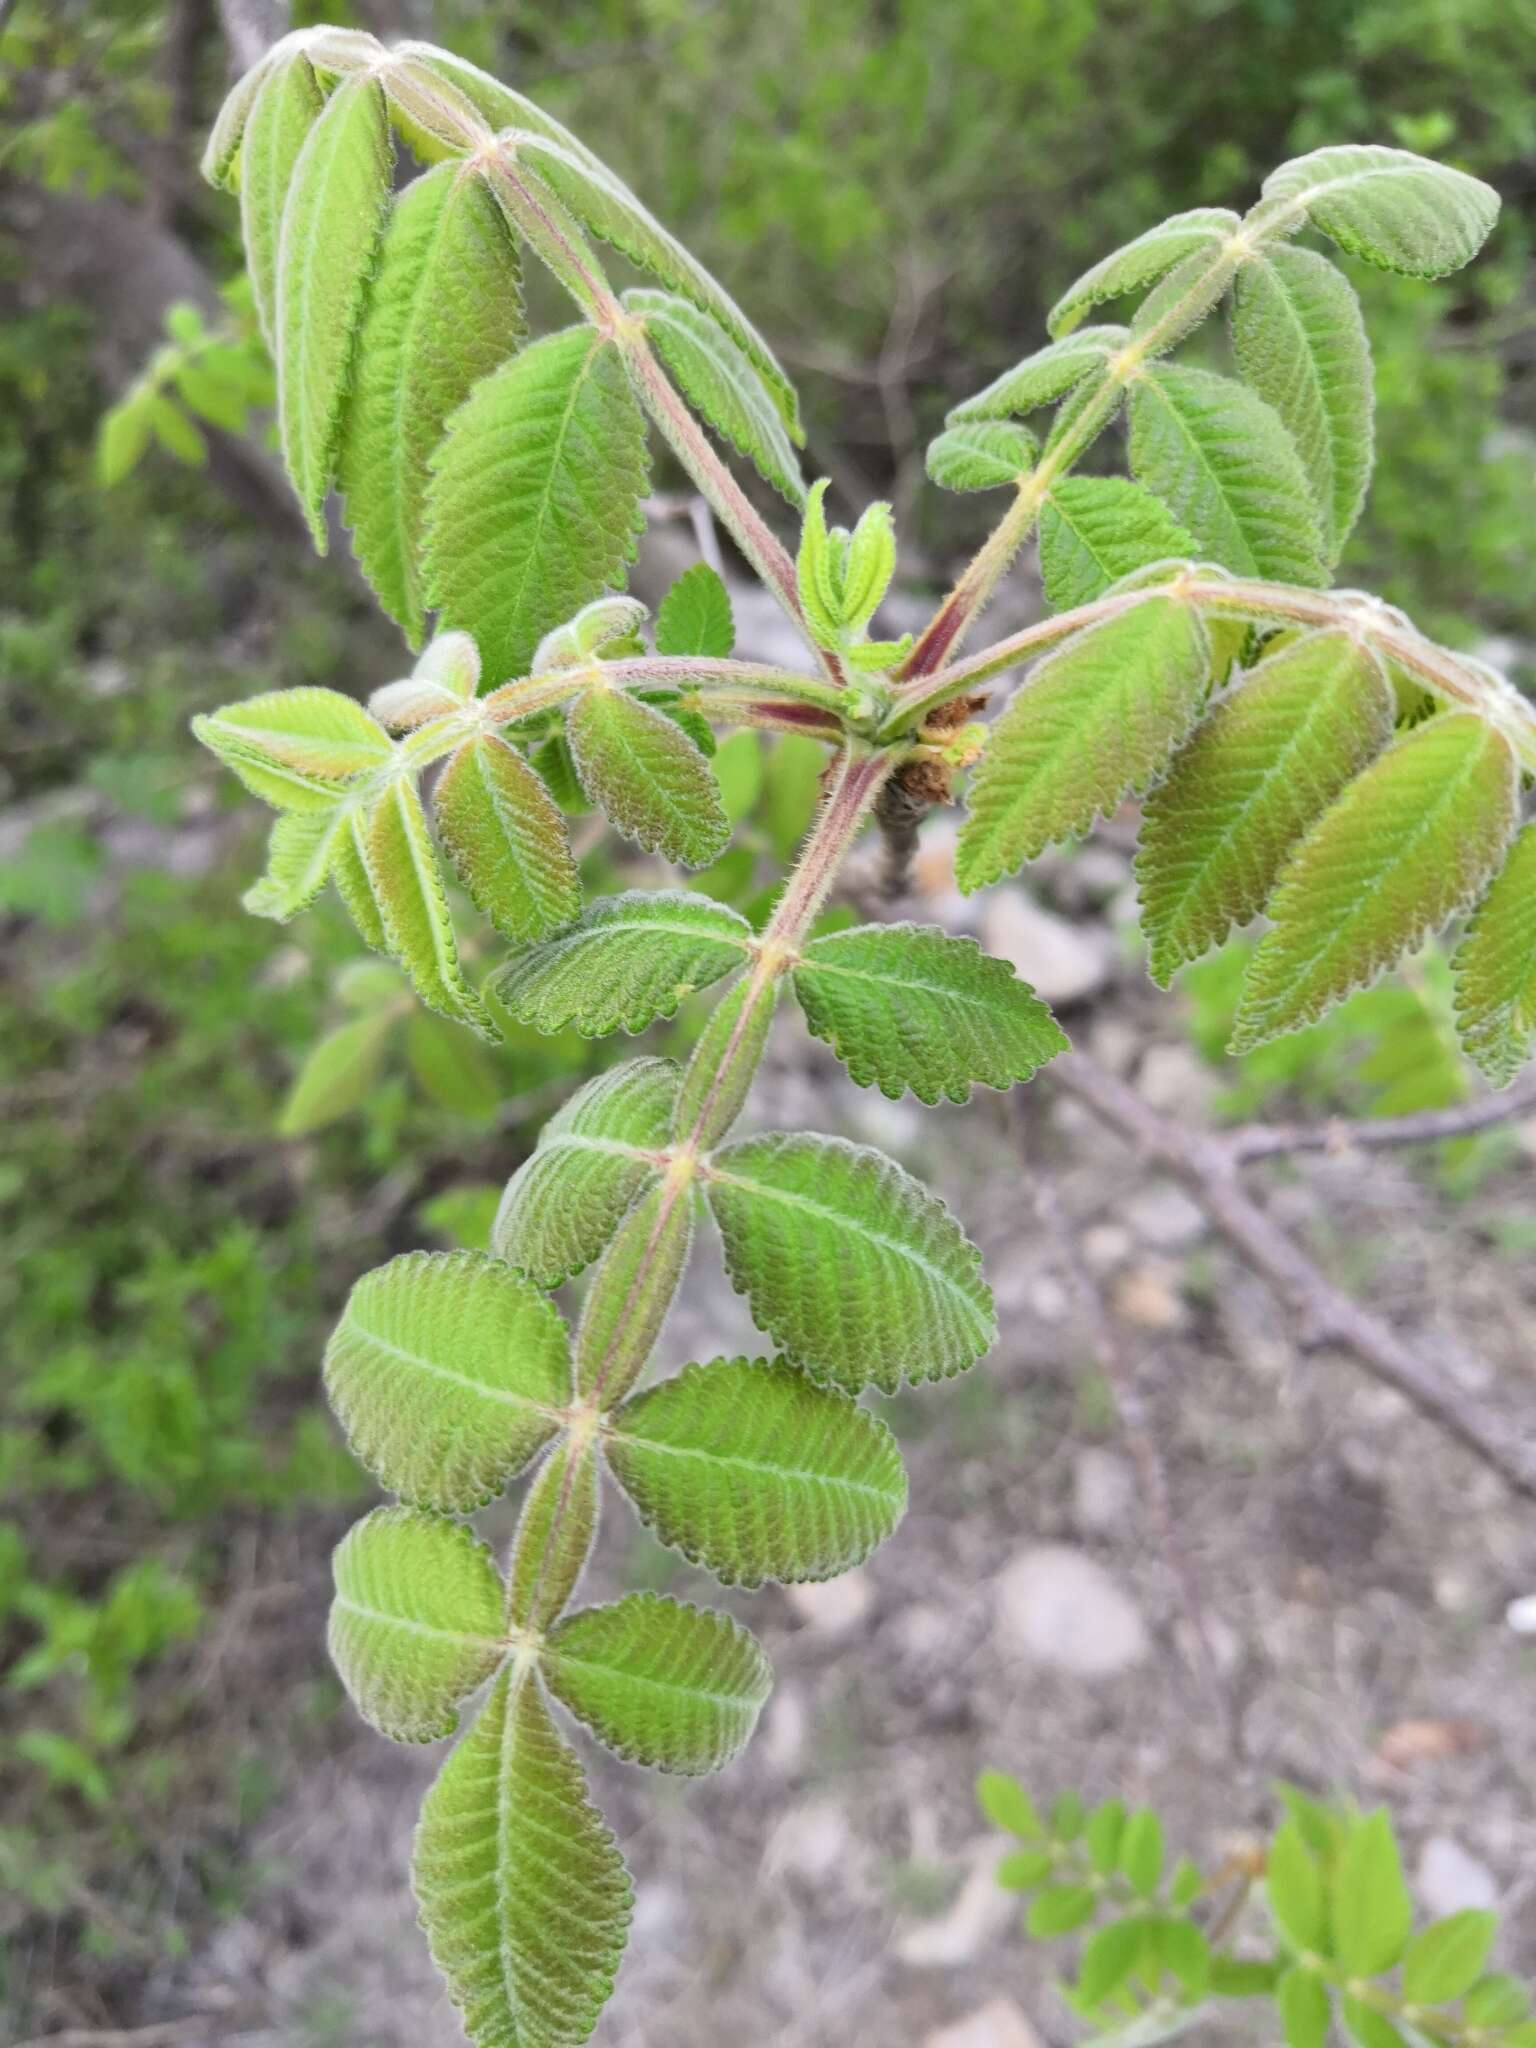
(533,502)
(755,1472)
(498,105)
(1265,764)
(1396,210)
(1411,839)
(695,615)
(523,1894)
(1096,529)
(416,1623)
(1095,720)
(906,1006)
(1448,1957)
(1305,2009)
(1300,342)
(338,1075)
(592,1160)
(662,1683)
(631,1292)
(507,841)
(1372,1911)
(1050,373)
(862,1275)
(606,207)
(296,749)
(220,161)
(444,311)
(726,1056)
(407,886)
(981,455)
(645,773)
(628,960)
(286,106)
(332,223)
(1223,463)
(1495,969)
(1141,262)
(555,1534)
(450,1067)
(722,385)
(354,884)
(448,1372)
(300,854)
(1178,302)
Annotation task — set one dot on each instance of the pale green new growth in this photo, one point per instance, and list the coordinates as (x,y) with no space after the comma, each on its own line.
(750,1470)
(1141,262)
(507,841)
(672,1686)
(906,1006)
(296,749)
(407,886)
(981,455)
(300,853)
(276,130)
(864,1277)
(416,1624)
(641,769)
(627,961)
(1495,969)
(1094,530)
(695,615)
(448,1372)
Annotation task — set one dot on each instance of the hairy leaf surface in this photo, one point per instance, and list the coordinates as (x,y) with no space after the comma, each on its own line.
(647,776)
(722,385)
(507,841)
(523,1893)
(533,503)
(555,1534)
(695,615)
(1043,377)
(407,885)
(1394,209)
(295,749)
(862,1275)
(287,105)
(755,1472)
(628,960)
(1096,529)
(981,455)
(1495,969)
(632,1292)
(907,1006)
(1141,262)
(448,1372)
(1257,772)
(416,1624)
(1096,719)
(662,1683)
(300,854)
(1411,839)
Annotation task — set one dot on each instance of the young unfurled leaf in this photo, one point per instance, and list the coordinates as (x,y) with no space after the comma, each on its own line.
(1372,1912)
(752,1471)
(532,507)
(632,1292)
(1300,342)
(1096,529)
(300,855)
(1306,2012)
(287,104)
(906,1006)
(337,1077)
(444,680)
(1256,773)
(604,624)
(1495,969)
(981,455)
(445,309)
(1446,1960)
(1141,262)
(1411,839)
(722,385)
(1223,463)
(648,776)
(695,615)
(592,1161)
(498,105)
(407,885)
(507,841)
(627,961)
(416,1624)
(1394,209)
(1050,373)
(332,223)
(448,1372)
(676,1687)
(1095,720)
(523,1893)
(354,884)
(1294,1886)
(221,156)
(555,1534)
(296,749)
(862,1275)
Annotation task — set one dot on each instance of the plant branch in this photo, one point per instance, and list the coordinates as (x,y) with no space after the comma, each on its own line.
(1379,1134)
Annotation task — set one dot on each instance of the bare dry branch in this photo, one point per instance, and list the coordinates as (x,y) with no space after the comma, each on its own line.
(1380,1134)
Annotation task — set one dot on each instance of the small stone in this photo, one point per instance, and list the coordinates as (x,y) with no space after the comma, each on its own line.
(982,1910)
(1064,963)
(1103,1490)
(1105,1245)
(997,2024)
(782,1742)
(1163,1216)
(1058,1606)
(810,1842)
(1451,1879)
(1048,1300)
(832,1606)
(1521,1615)
(1148,1296)
(1175,1081)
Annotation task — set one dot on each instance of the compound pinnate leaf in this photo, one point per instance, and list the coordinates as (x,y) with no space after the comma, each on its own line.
(555,1534)
(523,1893)
(445,310)
(1267,761)
(1411,839)
(1372,1912)
(1388,206)
(1300,342)
(862,1275)
(722,385)
(661,1683)
(755,1472)
(1095,720)
(332,224)
(627,961)
(907,1006)
(407,885)
(1495,969)
(533,503)
(695,615)
(296,749)
(981,455)
(1096,529)
(1141,262)
(649,778)
(504,834)
(592,1161)
(300,855)
(286,106)
(1050,373)
(1221,460)
(448,1372)
(416,1624)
